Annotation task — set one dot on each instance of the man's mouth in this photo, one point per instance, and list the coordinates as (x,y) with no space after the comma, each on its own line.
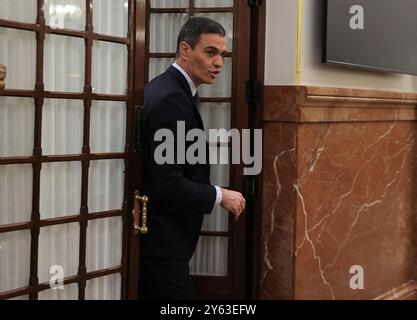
(215,73)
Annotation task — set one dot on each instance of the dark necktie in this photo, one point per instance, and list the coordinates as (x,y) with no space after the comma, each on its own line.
(197,101)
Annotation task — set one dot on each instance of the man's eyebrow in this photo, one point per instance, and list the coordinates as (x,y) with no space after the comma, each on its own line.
(215,49)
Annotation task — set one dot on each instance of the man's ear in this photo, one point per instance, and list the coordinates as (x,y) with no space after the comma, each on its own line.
(184,50)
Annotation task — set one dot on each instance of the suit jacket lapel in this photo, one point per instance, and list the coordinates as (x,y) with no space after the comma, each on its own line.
(187,90)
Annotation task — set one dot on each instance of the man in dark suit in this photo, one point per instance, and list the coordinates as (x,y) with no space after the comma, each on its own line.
(180,193)
(2,76)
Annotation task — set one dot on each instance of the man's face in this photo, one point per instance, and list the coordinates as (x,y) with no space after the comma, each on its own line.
(205,62)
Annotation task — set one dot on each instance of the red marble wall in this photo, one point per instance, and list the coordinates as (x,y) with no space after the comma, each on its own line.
(339,189)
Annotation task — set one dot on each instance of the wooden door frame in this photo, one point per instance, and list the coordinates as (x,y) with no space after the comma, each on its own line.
(139,72)
(254,225)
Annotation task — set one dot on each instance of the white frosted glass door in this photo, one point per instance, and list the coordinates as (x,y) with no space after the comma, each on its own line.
(63,148)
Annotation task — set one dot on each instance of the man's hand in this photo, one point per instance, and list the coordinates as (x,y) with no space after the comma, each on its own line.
(234,202)
(2,76)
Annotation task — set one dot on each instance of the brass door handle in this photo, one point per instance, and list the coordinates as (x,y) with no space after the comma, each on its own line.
(136,214)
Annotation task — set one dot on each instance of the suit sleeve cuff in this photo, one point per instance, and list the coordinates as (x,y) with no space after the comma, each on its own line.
(219,195)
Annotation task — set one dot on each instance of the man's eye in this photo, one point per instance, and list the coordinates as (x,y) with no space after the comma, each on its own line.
(210,53)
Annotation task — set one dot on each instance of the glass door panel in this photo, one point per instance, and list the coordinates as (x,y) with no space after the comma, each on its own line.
(213,3)
(104,243)
(65,14)
(64,63)
(60,193)
(19,10)
(108,126)
(16,186)
(169,3)
(59,247)
(62,126)
(105,288)
(110,17)
(14,260)
(165,28)
(109,68)
(106,185)
(18,53)
(210,258)
(17,123)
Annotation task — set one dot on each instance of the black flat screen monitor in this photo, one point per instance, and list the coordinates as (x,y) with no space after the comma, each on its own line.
(372,34)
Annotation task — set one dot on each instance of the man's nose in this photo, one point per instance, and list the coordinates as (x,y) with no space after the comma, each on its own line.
(218,62)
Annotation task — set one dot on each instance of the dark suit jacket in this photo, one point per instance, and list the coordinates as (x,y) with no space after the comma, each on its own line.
(179,195)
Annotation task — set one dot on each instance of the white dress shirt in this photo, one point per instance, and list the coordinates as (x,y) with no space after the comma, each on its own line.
(193,87)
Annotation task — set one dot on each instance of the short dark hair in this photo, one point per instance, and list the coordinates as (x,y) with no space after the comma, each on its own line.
(192,30)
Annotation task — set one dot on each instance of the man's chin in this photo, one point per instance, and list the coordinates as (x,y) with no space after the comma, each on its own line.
(209,81)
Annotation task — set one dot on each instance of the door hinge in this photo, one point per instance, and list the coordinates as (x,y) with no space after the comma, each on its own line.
(252,92)
(251,187)
(254,3)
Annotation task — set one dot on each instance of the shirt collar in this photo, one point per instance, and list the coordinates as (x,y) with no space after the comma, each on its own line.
(189,80)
